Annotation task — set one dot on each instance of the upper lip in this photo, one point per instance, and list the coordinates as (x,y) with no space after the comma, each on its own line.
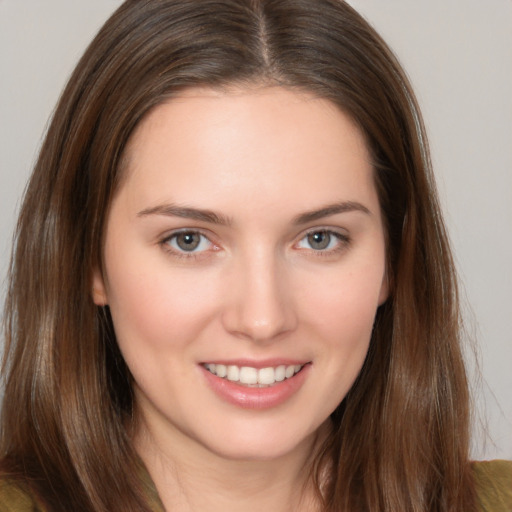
(264,363)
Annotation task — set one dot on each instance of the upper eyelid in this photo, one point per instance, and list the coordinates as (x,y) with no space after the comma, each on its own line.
(343,240)
(342,232)
(170,234)
(336,231)
(164,242)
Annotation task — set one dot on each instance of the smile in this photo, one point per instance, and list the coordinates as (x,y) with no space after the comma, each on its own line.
(254,377)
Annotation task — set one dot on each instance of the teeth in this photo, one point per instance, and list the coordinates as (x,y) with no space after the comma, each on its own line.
(248,375)
(221,370)
(266,376)
(280,373)
(233,373)
(252,376)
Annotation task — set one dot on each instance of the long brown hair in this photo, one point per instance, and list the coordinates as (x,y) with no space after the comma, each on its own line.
(400,437)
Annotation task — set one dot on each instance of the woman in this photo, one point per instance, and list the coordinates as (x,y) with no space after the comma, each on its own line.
(231,283)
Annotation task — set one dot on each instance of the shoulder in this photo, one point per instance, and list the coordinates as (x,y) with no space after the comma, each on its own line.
(14,499)
(493,483)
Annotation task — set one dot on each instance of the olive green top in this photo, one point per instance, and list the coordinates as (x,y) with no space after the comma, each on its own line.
(493,482)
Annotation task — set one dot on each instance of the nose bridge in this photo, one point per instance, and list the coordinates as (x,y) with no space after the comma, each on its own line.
(260,306)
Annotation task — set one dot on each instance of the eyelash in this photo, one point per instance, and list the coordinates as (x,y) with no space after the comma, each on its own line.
(176,252)
(343,241)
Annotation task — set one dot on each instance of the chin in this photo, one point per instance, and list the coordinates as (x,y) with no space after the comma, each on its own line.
(262,444)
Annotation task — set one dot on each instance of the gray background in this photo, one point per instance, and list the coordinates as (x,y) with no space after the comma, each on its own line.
(458,54)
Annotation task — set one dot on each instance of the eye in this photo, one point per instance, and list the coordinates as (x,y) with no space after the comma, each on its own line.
(188,241)
(322,240)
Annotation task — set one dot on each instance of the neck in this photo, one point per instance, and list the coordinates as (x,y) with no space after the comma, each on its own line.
(191,478)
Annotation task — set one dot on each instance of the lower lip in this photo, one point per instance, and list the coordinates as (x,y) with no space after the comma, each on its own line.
(256,398)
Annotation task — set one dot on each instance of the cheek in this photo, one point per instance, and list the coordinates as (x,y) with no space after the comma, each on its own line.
(341,318)
(346,303)
(154,307)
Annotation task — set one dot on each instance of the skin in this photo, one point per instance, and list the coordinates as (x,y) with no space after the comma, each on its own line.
(255,288)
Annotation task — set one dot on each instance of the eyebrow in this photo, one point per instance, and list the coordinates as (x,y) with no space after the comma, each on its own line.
(172,210)
(331,209)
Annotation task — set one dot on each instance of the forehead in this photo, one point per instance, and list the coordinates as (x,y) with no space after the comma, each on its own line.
(257,139)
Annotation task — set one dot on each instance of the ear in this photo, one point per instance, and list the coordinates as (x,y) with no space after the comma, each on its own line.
(385,288)
(99,292)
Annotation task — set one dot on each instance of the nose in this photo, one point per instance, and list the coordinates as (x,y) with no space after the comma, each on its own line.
(259,305)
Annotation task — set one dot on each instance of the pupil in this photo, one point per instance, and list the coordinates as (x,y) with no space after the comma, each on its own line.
(188,241)
(319,240)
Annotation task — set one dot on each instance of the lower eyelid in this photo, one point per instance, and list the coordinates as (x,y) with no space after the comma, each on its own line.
(342,238)
(166,241)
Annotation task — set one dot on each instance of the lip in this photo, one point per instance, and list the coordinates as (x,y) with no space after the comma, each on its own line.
(254,397)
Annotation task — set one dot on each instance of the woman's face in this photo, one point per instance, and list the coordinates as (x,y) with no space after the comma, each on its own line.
(244,262)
